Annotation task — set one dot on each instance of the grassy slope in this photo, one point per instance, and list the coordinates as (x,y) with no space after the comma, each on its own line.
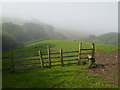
(58,44)
(58,77)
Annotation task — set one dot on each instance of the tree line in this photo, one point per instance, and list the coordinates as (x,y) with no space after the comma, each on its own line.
(110,38)
(14,35)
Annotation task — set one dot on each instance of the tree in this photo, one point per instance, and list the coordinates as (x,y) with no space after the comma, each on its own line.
(34,31)
(109,38)
(8,41)
(15,30)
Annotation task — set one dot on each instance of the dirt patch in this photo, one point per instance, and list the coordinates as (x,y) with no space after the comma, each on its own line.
(107,66)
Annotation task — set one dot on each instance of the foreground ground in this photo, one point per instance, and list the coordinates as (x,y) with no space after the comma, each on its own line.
(57,77)
(107,66)
(103,76)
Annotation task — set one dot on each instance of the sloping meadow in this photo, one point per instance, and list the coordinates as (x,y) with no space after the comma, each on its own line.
(69,76)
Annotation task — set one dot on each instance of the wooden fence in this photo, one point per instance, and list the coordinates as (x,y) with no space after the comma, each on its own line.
(48,56)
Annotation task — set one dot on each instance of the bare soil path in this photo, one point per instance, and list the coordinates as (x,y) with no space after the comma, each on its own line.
(107,66)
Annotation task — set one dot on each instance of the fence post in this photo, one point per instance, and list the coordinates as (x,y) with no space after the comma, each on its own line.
(93,52)
(79,56)
(61,56)
(12,63)
(91,58)
(41,59)
(49,58)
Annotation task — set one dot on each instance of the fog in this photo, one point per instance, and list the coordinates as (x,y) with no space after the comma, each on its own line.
(87,17)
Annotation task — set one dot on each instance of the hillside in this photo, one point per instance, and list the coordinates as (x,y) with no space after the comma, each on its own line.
(67,45)
(110,38)
(20,32)
(73,34)
(71,76)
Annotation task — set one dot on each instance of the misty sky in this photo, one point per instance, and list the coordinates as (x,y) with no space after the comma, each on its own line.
(94,17)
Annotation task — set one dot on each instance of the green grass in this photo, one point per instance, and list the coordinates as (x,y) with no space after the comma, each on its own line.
(57,77)
(56,45)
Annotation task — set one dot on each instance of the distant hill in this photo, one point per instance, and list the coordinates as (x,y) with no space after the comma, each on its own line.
(19,32)
(110,38)
(18,21)
(72,34)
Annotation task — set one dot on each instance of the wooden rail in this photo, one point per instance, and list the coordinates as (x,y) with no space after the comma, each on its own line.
(40,60)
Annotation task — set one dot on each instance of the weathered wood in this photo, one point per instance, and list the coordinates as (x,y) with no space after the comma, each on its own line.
(63,60)
(79,55)
(56,57)
(49,58)
(86,49)
(55,53)
(41,59)
(34,55)
(89,59)
(93,47)
(70,60)
(12,63)
(55,61)
(54,65)
(26,60)
(44,53)
(71,52)
(20,56)
(71,56)
(61,56)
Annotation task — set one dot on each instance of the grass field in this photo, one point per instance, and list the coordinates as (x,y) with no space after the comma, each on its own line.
(55,45)
(72,76)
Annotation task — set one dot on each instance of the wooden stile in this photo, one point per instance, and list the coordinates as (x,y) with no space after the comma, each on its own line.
(41,59)
(61,56)
(49,58)
(79,56)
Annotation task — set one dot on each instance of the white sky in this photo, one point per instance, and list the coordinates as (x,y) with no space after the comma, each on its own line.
(96,17)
